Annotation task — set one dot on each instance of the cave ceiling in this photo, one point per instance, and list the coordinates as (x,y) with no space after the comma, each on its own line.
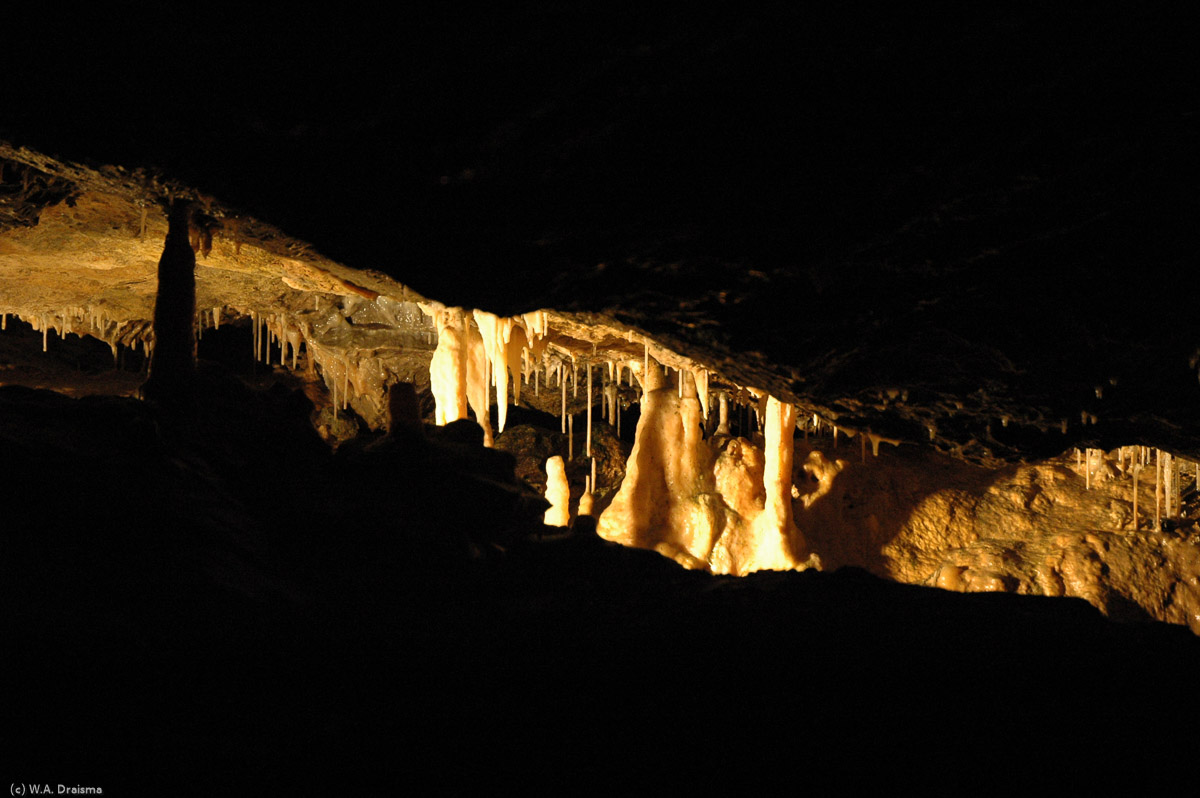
(976,230)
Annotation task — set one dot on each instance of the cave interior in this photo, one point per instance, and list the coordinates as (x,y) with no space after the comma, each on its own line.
(865,347)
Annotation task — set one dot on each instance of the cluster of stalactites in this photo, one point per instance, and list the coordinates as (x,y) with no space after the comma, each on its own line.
(1170,473)
(479,351)
(81,321)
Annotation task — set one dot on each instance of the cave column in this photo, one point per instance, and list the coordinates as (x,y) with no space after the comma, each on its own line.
(173,364)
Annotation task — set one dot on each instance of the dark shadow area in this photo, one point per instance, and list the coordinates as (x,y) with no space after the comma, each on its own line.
(190,606)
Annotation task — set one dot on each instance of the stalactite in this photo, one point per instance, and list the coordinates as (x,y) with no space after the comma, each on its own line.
(1157,489)
(479,382)
(1179,490)
(588,445)
(1136,470)
(723,417)
(295,337)
(1173,486)
(346,383)
(515,344)
(571,437)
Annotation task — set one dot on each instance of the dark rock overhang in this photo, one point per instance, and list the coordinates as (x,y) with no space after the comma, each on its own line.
(975,230)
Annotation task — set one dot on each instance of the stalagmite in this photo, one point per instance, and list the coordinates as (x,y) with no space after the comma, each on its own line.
(174,360)
(587,502)
(726,509)
(666,496)
(558,493)
(778,535)
(448,368)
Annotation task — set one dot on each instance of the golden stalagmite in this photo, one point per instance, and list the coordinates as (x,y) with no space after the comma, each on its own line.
(729,512)
(558,493)
(768,540)
(448,368)
(667,500)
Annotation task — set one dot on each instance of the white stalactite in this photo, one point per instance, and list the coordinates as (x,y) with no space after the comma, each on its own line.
(479,383)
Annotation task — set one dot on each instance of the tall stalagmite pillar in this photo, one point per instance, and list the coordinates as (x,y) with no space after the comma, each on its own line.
(173,363)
